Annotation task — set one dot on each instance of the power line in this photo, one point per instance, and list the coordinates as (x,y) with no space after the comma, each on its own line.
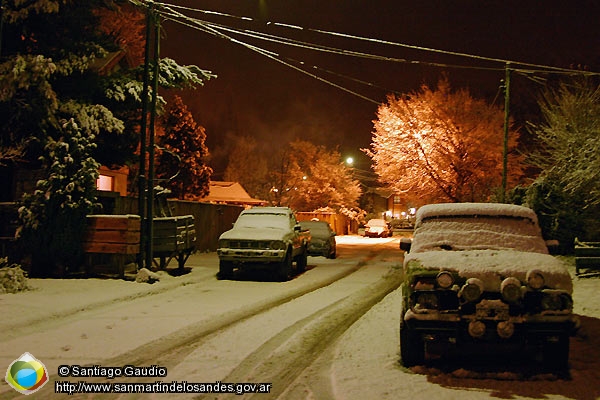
(273,56)
(533,67)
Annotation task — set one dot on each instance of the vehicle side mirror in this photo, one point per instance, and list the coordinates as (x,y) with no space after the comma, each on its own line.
(405,244)
(553,246)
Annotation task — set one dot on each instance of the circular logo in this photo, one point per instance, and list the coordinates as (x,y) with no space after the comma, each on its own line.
(26,374)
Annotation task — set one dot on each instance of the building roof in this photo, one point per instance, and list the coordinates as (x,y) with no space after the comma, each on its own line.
(229,193)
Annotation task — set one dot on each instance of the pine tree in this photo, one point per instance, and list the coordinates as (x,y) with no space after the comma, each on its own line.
(184,154)
(51,72)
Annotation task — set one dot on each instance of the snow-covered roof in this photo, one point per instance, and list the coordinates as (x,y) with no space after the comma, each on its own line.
(480,209)
(230,193)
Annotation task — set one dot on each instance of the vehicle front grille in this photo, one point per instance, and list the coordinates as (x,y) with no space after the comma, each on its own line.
(250,244)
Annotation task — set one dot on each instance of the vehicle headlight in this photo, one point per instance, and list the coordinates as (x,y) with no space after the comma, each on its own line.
(535,279)
(444,279)
(223,244)
(551,302)
(471,290)
(555,300)
(511,289)
(277,245)
(426,300)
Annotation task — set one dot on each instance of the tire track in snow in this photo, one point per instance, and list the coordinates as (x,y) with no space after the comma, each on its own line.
(169,350)
(283,358)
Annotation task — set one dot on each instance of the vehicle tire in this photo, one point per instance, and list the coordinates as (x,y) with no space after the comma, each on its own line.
(283,270)
(412,348)
(302,261)
(556,355)
(225,270)
(332,255)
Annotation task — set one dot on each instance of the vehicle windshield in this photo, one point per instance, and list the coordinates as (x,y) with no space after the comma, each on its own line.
(315,228)
(376,222)
(457,233)
(274,221)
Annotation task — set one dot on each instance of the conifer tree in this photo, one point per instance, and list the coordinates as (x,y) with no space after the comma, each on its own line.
(184,153)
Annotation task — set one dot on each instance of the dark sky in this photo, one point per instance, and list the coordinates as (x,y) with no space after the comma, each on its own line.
(256,96)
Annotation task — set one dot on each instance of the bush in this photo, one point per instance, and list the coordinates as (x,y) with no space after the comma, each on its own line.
(12,278)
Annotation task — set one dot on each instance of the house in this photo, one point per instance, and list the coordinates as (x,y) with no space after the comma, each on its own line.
(221,192)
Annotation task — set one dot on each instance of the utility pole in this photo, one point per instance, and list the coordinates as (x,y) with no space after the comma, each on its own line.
(150,191)
(143,135)
(506,123)
(146,183)
(1,24)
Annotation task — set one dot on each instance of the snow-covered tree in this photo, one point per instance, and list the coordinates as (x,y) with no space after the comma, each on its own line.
(313,177)
(569,139)
(184,153)
(566,194)
(54,68)
(53,217)
(441,145)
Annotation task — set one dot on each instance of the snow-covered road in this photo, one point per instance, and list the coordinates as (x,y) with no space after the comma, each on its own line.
(330,333)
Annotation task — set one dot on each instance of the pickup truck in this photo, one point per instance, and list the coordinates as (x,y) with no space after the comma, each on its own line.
(479,280)
(264,238)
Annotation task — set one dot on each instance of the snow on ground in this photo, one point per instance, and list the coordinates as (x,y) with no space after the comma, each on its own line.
(365,363)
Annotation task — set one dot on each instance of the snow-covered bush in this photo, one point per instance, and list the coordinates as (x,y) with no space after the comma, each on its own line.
(53,217)
(12,278)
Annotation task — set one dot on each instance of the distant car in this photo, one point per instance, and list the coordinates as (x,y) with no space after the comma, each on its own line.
(377,228)
(322,238)
(479,279)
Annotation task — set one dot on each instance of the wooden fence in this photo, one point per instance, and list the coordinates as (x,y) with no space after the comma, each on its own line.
(210,220)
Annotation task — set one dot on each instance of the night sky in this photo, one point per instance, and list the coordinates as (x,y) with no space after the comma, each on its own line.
(256,96)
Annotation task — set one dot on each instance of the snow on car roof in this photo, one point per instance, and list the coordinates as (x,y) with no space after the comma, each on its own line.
(268,210)
(483,209)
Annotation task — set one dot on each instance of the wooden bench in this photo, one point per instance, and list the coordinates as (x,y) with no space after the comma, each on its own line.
(173,237)
(587,255)
(110,242)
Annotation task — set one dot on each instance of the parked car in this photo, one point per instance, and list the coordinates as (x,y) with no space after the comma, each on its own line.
(377,228)
(264,238)
(479,279)
(322,238)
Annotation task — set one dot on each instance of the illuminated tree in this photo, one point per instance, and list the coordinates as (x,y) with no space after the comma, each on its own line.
(441,145)
(184,153)
(312,177)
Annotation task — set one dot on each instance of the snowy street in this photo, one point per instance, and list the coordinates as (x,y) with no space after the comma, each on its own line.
(329,333)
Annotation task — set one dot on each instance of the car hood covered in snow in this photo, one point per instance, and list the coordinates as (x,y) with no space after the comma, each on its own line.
(255,234)
(492,266)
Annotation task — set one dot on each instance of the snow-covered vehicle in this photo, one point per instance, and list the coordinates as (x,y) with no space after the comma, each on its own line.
(264,238)
(479,280)
(322,238)
(377,228)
